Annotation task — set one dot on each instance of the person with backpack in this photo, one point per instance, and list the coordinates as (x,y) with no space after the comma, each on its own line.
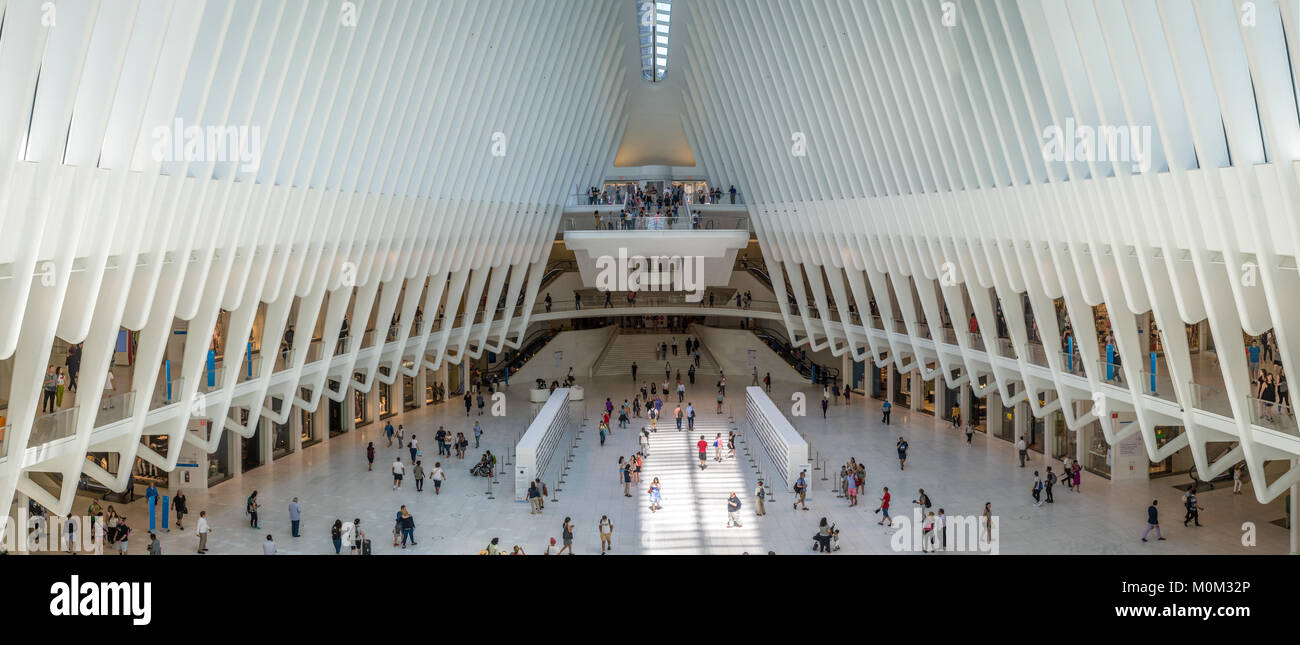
(801,491)
(388,432)
(885,408)
(922,501)
(1153,521)
(1037,489)
(1048,484)
(759,496)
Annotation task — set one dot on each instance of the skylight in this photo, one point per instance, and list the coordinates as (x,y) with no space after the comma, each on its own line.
(653,17)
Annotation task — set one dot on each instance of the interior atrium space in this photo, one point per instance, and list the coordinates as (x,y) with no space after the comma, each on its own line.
(893,278)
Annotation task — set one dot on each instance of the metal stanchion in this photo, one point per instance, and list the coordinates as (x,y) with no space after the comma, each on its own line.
(489,490)
(817,461)
(555,489)
(823,469)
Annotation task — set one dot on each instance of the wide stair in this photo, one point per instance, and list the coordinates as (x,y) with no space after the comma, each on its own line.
(693,519)
(641,349)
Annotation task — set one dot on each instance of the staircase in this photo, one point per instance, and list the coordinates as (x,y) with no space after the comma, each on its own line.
(641,348)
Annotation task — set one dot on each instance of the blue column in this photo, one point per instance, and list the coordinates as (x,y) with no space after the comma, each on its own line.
(249,360)
(1069,349)
(167,365)
(212,368)
(1110,362)
(152,510)
(1153,372)
(166,511)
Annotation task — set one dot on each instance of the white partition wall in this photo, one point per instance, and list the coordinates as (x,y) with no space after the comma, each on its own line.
(537,446)
(784,447)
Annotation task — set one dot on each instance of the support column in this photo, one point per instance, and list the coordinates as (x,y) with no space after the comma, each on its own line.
(421,387)
(349,411)
(1291,515)
(918,391)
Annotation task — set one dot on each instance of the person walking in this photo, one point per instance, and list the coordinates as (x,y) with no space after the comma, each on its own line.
(295,517)
(1047,485)
(388,432)
(179,506)
(825,405)
(437,475)
(902,453)
(399,469)
(656,495)
(408,526)
(1037,490)
(418,473)
(690,417)
(1236,479)
(733,511)
(606,528)
(566,534)
(414,446)
(202,530)
(883,509)
(801,491)
(767,382)
(1193,509)
(634,371)
(478,433)
(1153,521)
(370,456)
(703,447)
(970,434)
(627,478)
(760,496)
(885,408)
(1022,449)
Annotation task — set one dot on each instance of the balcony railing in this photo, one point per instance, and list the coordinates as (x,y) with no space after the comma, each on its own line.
(55,425)
(1072,364)
(1273,415)
(666,222)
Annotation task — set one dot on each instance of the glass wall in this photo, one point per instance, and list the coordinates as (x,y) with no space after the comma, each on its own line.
(147,472)
(219,461)
(282,434)
(250,448)
(977,412)
(952,399)
(1097,460)
(1005,428)
(1037,427)
(307,421)
(927,396)
(336,426)
(408,392)
(902,389)
(360,411)
(385,400)
(880,383)
(1064,442)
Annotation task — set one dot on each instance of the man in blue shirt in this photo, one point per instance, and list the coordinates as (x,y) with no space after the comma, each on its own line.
(690,417)
(733,511)
(885,408)
(295,516)
(1153,521)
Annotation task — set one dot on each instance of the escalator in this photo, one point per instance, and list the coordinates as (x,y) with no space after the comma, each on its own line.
(807,368)
(531,346)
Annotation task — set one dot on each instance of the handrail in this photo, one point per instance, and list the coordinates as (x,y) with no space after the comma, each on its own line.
(609,342)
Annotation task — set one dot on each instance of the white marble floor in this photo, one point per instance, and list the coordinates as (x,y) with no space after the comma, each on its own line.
(332,482)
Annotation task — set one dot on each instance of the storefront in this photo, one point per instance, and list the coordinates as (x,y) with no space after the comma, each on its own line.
(1164,434)
(385,401)
(307,428)
(1098,458)
(927,395)
(282,434)
(408,393)
(1065,442)
(219,461)
(903,390)
(1037,427)
(360,410)
(977,412)
(147,473)
(952,398)
(859,374)
(880,383)
(250,448)
(1005,429)
(336,426)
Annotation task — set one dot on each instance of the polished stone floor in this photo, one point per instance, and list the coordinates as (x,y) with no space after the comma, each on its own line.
(331,481)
